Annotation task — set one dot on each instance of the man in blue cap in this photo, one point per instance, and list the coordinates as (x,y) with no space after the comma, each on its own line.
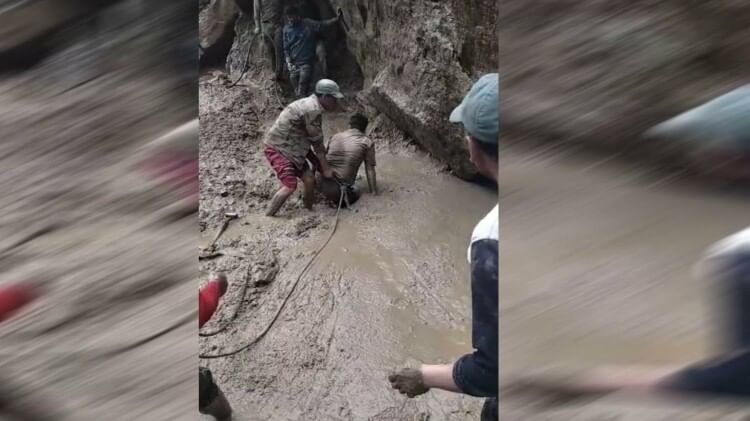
(474,374)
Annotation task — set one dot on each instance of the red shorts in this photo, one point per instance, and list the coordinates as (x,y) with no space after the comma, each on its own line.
(285,170)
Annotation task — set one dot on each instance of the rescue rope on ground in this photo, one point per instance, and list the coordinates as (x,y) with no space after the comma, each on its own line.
(288,295)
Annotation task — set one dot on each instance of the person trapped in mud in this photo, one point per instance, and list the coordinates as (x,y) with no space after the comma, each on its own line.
(345,154)
(211,400)
(474,374)
(300,41)
(287,144)
(727,375)
(268,16)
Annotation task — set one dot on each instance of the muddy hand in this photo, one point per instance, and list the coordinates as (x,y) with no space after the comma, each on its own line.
(409,382)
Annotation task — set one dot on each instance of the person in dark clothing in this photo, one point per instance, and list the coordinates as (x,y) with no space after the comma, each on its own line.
(727,375)
(300,39)
(474,374)
(310,10)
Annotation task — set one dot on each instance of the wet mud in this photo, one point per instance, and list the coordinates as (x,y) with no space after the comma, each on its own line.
(119,302)
(390,289)
(597,258)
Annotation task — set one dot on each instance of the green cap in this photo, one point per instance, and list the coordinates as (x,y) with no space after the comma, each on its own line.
(328,87)
(479,110)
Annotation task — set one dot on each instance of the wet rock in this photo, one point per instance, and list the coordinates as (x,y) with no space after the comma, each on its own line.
(265,272)
(216,21)
(419,59)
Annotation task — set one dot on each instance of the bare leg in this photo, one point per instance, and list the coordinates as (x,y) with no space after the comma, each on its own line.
(308,189)
(278,200)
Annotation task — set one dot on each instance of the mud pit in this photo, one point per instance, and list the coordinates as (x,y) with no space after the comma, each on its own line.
(597,259)
(390,289)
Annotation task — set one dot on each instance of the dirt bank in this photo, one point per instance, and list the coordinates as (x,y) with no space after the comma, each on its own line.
(390,289)
(119,270)
(597,261)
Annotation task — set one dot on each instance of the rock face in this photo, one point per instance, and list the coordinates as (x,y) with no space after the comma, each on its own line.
(604,72)
(417,59)
(216,29)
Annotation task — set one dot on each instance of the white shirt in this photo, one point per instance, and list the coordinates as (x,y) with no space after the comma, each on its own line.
(486,229)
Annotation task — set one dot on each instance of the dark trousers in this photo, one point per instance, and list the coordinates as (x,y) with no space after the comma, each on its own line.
(331,190)
(489,410)
(301,77)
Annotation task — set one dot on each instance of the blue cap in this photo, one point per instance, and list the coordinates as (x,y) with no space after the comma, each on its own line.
(478,112)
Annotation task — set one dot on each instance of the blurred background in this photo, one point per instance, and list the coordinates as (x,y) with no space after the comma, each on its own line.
(625,154)
(98,208)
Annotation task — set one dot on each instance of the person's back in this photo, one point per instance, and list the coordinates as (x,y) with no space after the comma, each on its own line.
(348,150)
(346,153)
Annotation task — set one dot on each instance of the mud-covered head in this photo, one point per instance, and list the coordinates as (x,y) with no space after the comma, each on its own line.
(358,121)
(328,94)
(479,115)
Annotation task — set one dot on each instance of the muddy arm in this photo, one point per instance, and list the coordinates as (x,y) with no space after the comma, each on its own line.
(370,169)
(371,179)
(320,152)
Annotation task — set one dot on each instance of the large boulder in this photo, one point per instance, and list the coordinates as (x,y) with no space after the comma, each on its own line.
(216,29)
(603,72)
(418,59)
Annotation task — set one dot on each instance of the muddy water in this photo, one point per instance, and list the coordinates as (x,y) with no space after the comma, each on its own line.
(597,261)
(391,289)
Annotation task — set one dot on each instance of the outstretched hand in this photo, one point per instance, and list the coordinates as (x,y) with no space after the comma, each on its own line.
(409,382)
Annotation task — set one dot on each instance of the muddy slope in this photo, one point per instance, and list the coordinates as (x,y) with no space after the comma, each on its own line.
(391,288)
(416,60)
(602,73)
